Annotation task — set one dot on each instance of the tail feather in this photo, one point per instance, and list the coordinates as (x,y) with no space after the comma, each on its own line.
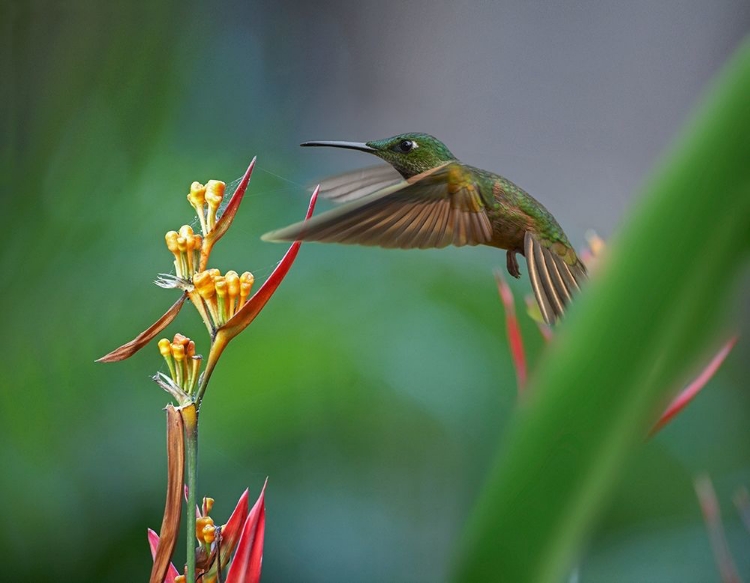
(553,280)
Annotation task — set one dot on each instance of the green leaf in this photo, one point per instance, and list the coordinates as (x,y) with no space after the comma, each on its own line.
(647,318)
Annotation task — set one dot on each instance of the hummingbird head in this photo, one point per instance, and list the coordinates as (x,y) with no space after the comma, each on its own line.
(409,154)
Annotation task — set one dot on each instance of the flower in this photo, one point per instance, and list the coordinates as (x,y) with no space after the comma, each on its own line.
(237,544)
(223,301)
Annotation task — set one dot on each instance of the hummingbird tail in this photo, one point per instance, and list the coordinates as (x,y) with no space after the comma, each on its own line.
(553,280)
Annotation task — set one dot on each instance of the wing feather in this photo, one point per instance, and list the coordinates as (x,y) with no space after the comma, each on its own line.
(434,209)
(359,183)
(553,279)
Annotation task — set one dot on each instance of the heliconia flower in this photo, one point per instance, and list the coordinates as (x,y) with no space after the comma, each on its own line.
(592,256)
(238,544)
(184,367)
(222,301)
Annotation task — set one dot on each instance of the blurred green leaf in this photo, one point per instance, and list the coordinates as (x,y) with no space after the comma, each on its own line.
(648,317)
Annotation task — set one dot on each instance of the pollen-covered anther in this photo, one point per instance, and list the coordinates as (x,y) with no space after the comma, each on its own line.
(179,579)
(214,195)
(246,284)
(208,505)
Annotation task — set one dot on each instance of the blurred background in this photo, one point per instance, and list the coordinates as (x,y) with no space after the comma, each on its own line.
(376,385)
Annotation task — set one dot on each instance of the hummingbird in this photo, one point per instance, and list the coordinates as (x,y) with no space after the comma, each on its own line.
(424,197)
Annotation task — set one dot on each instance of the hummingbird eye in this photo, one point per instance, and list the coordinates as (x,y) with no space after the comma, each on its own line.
(405,146)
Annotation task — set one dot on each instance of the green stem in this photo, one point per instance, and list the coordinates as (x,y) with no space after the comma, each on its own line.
(191,450)
(218,345)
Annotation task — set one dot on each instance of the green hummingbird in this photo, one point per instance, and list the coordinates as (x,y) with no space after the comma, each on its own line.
(424,197)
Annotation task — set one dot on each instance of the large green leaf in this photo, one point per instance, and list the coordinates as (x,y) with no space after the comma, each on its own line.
(645,320)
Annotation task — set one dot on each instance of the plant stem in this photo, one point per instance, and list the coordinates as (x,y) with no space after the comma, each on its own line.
(190,417)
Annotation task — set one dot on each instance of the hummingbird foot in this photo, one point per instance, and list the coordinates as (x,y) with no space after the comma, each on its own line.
(513,264)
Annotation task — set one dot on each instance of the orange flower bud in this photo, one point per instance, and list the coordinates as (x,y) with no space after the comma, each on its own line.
(246,284)
(171,240)
(209,534)
(233,283)
(204,283)
(204,525)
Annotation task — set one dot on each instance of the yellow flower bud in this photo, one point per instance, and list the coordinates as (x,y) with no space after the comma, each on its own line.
(246,284)
(178,351)
(214,192)
(197,194)
(233,289)
(165,347)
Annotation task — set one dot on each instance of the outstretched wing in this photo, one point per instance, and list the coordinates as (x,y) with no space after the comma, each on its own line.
(358,183)
(555,272)
(440,207)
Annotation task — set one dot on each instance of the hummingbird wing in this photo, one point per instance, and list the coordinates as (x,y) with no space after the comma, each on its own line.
(440,207)
(358,183)
(555,272)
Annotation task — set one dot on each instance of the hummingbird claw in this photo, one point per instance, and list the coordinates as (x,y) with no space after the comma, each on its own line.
(512,263)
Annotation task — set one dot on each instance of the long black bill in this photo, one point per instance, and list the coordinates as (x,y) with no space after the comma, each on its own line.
(334,144)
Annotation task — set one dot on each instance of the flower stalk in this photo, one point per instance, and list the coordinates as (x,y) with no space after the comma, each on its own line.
(190,420)
(226,308)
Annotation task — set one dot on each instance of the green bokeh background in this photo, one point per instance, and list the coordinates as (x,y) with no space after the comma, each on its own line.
(374,387)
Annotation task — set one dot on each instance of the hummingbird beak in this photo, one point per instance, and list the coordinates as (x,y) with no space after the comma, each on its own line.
(348,145)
